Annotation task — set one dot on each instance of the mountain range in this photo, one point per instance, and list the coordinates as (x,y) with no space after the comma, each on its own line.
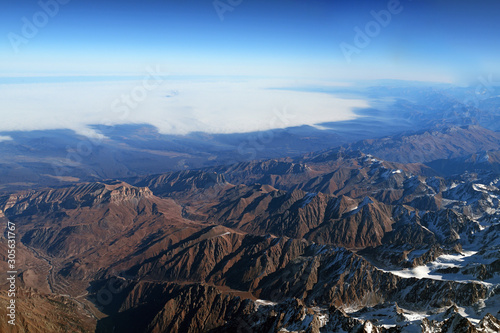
(384,223)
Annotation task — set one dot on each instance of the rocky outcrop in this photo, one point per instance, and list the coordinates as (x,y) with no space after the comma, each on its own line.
(43,313)
(182,181)
(170,307)
(430,145)
(320,243)
(459,324)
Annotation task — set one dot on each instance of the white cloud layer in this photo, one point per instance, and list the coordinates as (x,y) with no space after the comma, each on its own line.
(173,106)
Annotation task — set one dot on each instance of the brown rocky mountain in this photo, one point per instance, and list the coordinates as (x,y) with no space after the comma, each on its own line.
(483,162)
(335,172)
(431,145)
(170,307)
(274,268)
(329,241)
(44,313)
(261,265)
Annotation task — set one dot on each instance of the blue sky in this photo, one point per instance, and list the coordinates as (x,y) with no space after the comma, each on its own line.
(215,61)
(440,40)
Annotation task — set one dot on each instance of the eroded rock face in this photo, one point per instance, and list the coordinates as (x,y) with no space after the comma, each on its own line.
(43,313)
(337,241)
(270,267)
(457,323)
(277,270)
(170,307)
(432,145)
(182,181)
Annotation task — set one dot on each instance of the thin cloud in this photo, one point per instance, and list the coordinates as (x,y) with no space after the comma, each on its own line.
(173,106)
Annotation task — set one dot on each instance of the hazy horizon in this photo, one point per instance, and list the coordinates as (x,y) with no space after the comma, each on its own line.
(187,66)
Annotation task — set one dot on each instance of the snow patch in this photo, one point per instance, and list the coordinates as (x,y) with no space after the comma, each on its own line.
(224,234)
(260,302)
(368,327)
